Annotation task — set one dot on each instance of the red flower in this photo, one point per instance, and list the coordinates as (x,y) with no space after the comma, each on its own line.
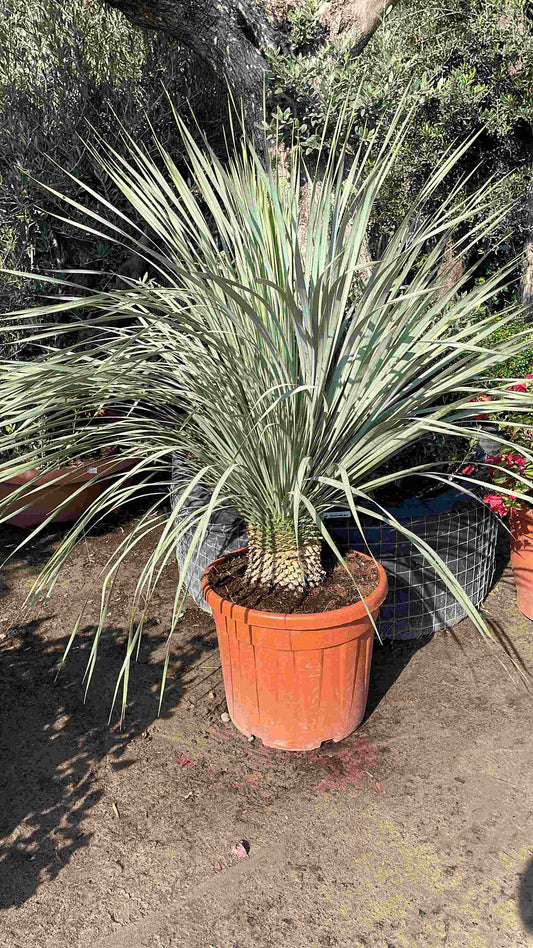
(520,387)
(496,504)
(494,459)
(468,469)
(513,460)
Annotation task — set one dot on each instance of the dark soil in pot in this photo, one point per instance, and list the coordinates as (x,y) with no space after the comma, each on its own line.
(339,589)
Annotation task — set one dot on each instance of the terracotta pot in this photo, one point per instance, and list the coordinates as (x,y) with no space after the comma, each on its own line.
(295,680)
(522,558)
(45,499)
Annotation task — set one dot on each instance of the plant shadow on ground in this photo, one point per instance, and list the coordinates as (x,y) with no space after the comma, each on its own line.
(53,745)
(526,897)
(51,742)
(388,661)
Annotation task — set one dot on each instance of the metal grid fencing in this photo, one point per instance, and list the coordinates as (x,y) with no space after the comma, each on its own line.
(418,601)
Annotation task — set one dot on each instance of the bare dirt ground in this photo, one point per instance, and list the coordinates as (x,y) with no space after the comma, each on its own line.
(415,831)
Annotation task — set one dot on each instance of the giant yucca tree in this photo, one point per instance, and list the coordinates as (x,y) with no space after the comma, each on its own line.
(283,381)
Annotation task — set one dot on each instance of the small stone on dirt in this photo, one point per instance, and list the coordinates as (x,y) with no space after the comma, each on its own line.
(224,717)
(240,851)
(251,738)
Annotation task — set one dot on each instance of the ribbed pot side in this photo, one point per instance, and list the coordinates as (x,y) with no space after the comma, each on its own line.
(295,680)
(522,559)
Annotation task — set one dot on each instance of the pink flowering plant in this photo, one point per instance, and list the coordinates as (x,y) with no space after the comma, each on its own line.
(512,466)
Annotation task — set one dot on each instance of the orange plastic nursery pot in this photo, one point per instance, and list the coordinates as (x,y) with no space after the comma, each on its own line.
(45,499)
(522,558)
(295,680)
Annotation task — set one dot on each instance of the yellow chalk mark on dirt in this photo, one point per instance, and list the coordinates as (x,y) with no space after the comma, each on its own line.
(417,864)
(391,867)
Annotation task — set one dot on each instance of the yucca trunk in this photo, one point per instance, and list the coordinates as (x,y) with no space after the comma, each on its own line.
(276,560)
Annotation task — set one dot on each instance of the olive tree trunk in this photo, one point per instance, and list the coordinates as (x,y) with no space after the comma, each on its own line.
(231,35)
(228,35)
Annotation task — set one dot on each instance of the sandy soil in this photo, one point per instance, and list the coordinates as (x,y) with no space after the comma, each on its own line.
(416,831)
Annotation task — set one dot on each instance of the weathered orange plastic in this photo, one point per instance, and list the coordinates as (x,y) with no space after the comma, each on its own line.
(522,559)
(64,483)
(295,680)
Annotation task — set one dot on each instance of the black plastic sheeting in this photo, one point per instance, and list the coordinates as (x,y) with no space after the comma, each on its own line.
(226,532)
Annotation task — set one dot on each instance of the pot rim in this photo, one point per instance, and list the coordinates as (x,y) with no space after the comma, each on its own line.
(61,475)
(294,621)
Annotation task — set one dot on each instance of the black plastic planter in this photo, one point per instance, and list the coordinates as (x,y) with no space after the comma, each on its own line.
(226,532)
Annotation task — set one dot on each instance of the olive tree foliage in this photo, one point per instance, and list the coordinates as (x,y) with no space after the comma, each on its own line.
(65,70)
(69,65)
(465,67)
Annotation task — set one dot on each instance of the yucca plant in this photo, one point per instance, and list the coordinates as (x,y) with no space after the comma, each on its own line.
(282,371)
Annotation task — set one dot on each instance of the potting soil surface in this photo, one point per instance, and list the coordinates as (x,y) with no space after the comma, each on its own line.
(341,587)
(176,831)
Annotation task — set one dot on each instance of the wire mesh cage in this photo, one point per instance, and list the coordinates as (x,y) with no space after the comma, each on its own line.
(464,534)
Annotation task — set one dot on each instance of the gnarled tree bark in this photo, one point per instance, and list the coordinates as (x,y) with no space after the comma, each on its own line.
(231,35)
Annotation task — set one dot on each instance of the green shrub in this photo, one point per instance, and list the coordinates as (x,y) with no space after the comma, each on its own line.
(519,365)
(464,68)
(63,69)
(306,31)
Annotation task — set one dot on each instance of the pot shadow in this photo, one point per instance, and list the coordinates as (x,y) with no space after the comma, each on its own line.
(393,655)
(503,553)
(526,897)
(388,662)
(52,743)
